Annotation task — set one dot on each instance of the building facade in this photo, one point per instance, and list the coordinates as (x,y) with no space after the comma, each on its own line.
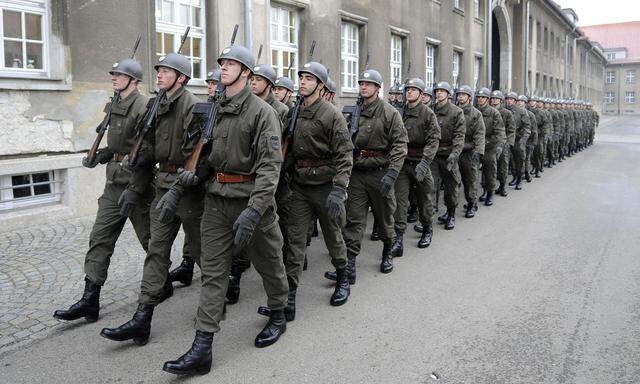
(56,55)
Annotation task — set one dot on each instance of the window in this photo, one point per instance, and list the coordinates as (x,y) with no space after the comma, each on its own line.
(539,34)
(284,42)
(456,4)
(23,32)
(349,43)
(430,65)
(552,41)
(172,17)
(611,77)
(629,97)
(546,39)
(455,73)
(630,76)
(29,189)
(396,59)
(477,65)
(476,9)
(610,97)
(611,56)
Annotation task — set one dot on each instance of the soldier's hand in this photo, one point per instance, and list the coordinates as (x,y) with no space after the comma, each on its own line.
(452,161)
(187,178)
(388,180)
(476,157)
(168,204)
(128,202)
(422,169)
(126,164)
(244,226)
(335,202)
(90,164)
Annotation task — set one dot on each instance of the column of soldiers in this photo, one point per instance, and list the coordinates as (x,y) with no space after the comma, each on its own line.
(276,162)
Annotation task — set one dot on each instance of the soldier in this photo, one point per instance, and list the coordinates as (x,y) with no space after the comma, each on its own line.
(242,173)
(473,150)
(495,139)
(173,204)
(595,123)
(570,120)
(381,146)
(550,105)
(262,83)
(284,90)
(536,127)
(427,96)
(424,135)
(496,100)
(322,157)
(329,92)
(127,109)
(444,168)
(523,130)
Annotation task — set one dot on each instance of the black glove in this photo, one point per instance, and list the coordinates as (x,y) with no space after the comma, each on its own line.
(244,226)
(388,180)
(452,160)
(187,178)
(422,169)
(335,202)
(168,204)
(128,202)
(476,158)
(142,161)
(101,157)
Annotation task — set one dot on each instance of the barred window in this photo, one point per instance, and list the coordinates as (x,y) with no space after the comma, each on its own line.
(349,59)
(29,189)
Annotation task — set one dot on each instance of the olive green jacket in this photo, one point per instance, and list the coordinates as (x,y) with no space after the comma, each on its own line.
(509,124)
(495,134)
(452,128)
(475,131)
(423,132)
(522,122)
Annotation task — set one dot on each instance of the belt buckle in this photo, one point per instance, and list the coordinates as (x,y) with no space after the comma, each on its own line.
(218,177)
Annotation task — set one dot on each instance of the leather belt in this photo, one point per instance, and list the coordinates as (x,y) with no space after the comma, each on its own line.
(118,156)
(415,151)
(222,177)
(169,168)
(370,153)
(307,163)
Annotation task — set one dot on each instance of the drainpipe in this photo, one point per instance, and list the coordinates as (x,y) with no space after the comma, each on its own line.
(526,50)
(489,19)
(248,32)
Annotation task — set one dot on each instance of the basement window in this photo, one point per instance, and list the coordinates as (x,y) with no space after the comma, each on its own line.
(30,189)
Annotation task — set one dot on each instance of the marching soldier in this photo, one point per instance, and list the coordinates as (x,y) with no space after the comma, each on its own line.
(424,135)
(473,149)
(126,111)
(545,140)
(552,145)
(427,96)
(444,168)
(536,126)
(242,173)
(174,204)
(496,100)
(495,139)
(523,130)
(381,146)
(322,157)
(284,89)
(262,83)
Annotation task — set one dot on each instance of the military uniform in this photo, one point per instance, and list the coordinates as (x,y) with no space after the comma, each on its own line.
(495,139)
(523,131)
(505,157)
(473,149)
(536,122)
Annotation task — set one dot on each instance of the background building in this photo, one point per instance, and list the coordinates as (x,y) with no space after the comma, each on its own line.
(56,55)
(621,45)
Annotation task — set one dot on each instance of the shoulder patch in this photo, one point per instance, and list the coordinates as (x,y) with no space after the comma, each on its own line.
(275,143)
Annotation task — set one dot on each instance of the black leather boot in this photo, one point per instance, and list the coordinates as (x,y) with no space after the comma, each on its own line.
(276,326)
(233,290)
(501,190)
(375,233)
(412,214)
(518,184)
(443,218)
(138,328)
(386,265)
(427,235)
(351,271)
(513,181)
(527,177)
(536,174)
(471,210)
(488,201)
(183,273)
(451,220)
(483,196)
(342,290)
(398,247)
(290,309)
(197,360)
(88,306)
(418,228)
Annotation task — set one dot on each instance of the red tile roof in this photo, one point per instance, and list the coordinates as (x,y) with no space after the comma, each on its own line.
(617,35)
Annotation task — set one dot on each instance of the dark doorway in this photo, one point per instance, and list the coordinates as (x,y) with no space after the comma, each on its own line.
(495,53)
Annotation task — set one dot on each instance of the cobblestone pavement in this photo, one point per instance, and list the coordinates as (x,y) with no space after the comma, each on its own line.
(41,269)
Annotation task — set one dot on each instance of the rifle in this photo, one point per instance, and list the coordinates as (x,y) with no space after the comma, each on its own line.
(259,50)
(149,118)
(405,103)
(102,128)
(210,110)
(288,135)
(354,111)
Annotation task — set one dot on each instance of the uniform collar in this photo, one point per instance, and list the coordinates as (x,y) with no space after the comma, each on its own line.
(443,109)
(234,104)
(415,111)
(309,111)
(369,110)
(174,96)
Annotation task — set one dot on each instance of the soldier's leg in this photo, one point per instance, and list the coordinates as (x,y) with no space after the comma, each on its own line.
(468,177)
(435,167)
(402,189)
(331,228)
(503,165)
(383,209)
(424,195)
(451,180)
(357,210)
(489,169)
(141,221)
(301,211)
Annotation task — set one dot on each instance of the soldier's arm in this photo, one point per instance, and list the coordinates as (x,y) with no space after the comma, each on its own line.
(499,132)
(459,131)
(399,140)
(342,149)
(510,127)
(268,160)
(479,135)
(432,135)
(526,125)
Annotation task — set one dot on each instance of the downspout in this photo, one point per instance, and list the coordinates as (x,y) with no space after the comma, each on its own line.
(526,50)
(489,18)
(248,31)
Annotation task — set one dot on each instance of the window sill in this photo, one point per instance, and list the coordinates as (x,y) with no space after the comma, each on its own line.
(458,11)
(34,84)
(478,20)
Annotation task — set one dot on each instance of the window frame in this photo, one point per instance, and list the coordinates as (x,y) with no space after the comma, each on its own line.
(430,72)
(456,67)
(177,29)
(629,97)
(282,47)
(39,7)
(609,97)
(350,58)
(610,77)
(393,63)
(9,203)
(477,71)
(630,76)
(457,4)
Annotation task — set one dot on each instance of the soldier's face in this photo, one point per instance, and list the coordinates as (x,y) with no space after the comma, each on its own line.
(211,87)
(426,98)
(166,78)
(392,97)
(413,95)
(281,93)
(441,95)
(258,85)
(533,104)
(521,103)
(119,81)
(230,71)
(495,101)
(463,98)
(368,89)
(308,84)
(482,101)
(511,102)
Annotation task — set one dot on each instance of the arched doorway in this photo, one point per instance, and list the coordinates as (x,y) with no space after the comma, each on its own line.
(501,45)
